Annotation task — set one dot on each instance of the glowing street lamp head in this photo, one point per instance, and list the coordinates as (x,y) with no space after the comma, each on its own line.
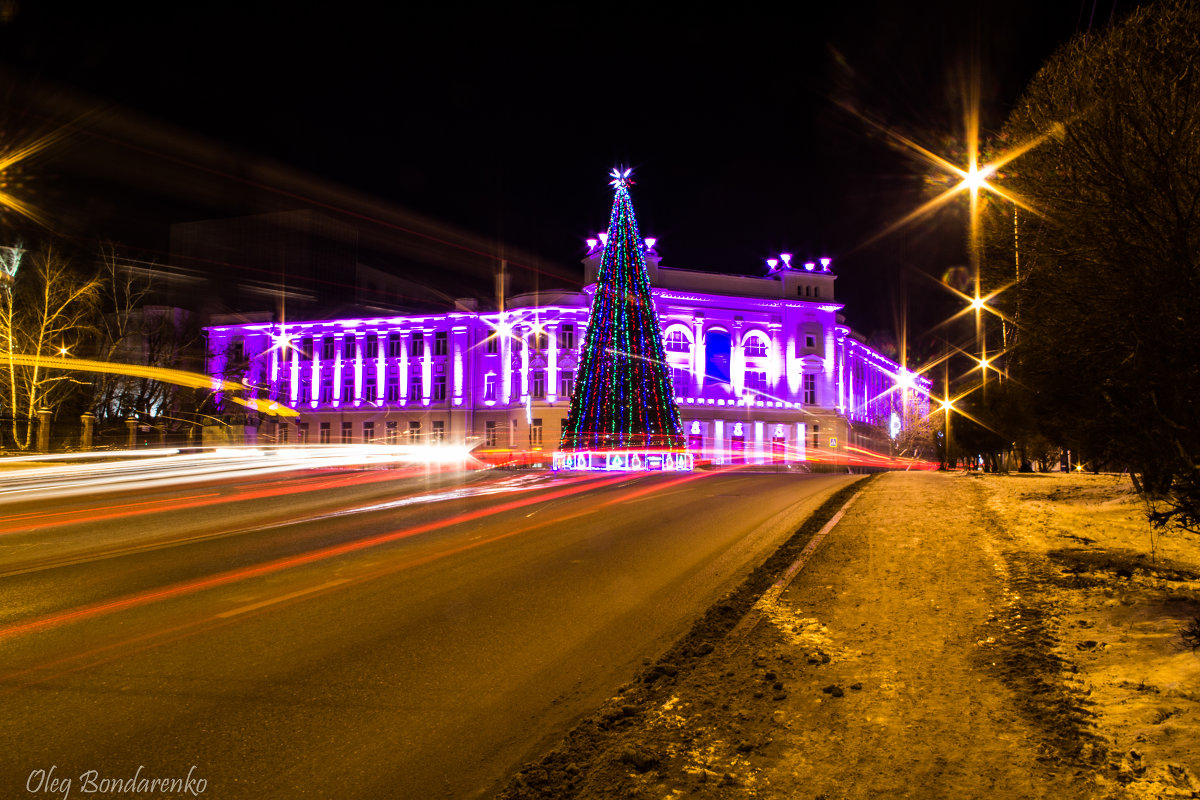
(977,303)
(976,178)
(983,363)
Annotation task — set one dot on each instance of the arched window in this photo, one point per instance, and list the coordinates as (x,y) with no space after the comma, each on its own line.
(755,346)
(677,341)
(717,348)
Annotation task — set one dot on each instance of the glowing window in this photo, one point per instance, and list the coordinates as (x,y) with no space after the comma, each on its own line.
(756,347)
(677,342)
(810,388)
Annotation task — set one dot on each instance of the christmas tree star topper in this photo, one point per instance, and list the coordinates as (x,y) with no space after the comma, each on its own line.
(620,178)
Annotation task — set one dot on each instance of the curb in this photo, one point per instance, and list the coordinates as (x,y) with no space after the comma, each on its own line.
(754,615)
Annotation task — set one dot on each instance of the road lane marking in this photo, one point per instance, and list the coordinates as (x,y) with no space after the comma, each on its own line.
(273,600)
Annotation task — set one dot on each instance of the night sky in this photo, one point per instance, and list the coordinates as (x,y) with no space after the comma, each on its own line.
(503,121)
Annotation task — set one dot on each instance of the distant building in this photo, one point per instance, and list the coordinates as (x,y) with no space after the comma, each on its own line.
(764,371)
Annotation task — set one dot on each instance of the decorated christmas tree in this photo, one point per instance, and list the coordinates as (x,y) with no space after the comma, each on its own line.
(623,398)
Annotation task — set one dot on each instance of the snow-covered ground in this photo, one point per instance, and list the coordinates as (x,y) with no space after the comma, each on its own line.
(1120,594)
(964,635)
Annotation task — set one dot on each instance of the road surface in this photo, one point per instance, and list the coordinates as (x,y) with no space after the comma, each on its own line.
(345,632)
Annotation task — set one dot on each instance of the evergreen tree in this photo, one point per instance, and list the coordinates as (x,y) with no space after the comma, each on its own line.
(623,397)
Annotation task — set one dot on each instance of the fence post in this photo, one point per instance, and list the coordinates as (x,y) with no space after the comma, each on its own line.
(43,439)
(89,425)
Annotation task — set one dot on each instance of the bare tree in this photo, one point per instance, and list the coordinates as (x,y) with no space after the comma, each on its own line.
(1107,302)
(132,330)
(47,309)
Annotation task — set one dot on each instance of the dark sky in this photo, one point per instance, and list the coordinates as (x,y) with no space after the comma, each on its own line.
(503,120)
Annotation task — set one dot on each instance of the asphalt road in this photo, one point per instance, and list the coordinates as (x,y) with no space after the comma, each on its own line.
(349,633)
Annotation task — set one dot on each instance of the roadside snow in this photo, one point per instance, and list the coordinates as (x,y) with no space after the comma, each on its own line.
(967,635)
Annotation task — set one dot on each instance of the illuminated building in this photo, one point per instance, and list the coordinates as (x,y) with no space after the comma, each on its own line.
(762,368)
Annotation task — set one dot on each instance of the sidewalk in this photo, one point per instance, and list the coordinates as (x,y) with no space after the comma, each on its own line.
(912,657)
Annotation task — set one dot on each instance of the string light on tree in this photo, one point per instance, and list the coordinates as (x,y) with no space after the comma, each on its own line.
(623,399)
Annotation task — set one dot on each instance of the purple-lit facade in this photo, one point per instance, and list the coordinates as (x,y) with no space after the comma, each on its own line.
(763,370)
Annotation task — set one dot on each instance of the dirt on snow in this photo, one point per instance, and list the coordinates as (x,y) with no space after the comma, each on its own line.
(954,635)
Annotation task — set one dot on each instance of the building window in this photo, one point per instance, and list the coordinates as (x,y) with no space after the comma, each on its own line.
(418,347)
(816,291)
(347,432)
(489,433)
(566,383)
(284,429)
(327,348)
(348,346)
(347,387)
(816,440)
(438,434)
(493,343)
(439,343)
(756,381)
(756,347)
(304,390)
(439,388)
(489,386)
(537,383)
(679,378)
(370,382)
(535,431)
(391,431)
(566,338)
(810,388)
(324,433)
(393,347)
(393,386)
(368,432)
(414,430)
(810,341)
(677,342)
(302,433)
(540,341)
(306,347)
(327,386)
(414,387)
(372,345)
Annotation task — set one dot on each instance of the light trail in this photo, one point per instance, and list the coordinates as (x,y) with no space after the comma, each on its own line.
(281,564)
(59,482)
(111,651)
